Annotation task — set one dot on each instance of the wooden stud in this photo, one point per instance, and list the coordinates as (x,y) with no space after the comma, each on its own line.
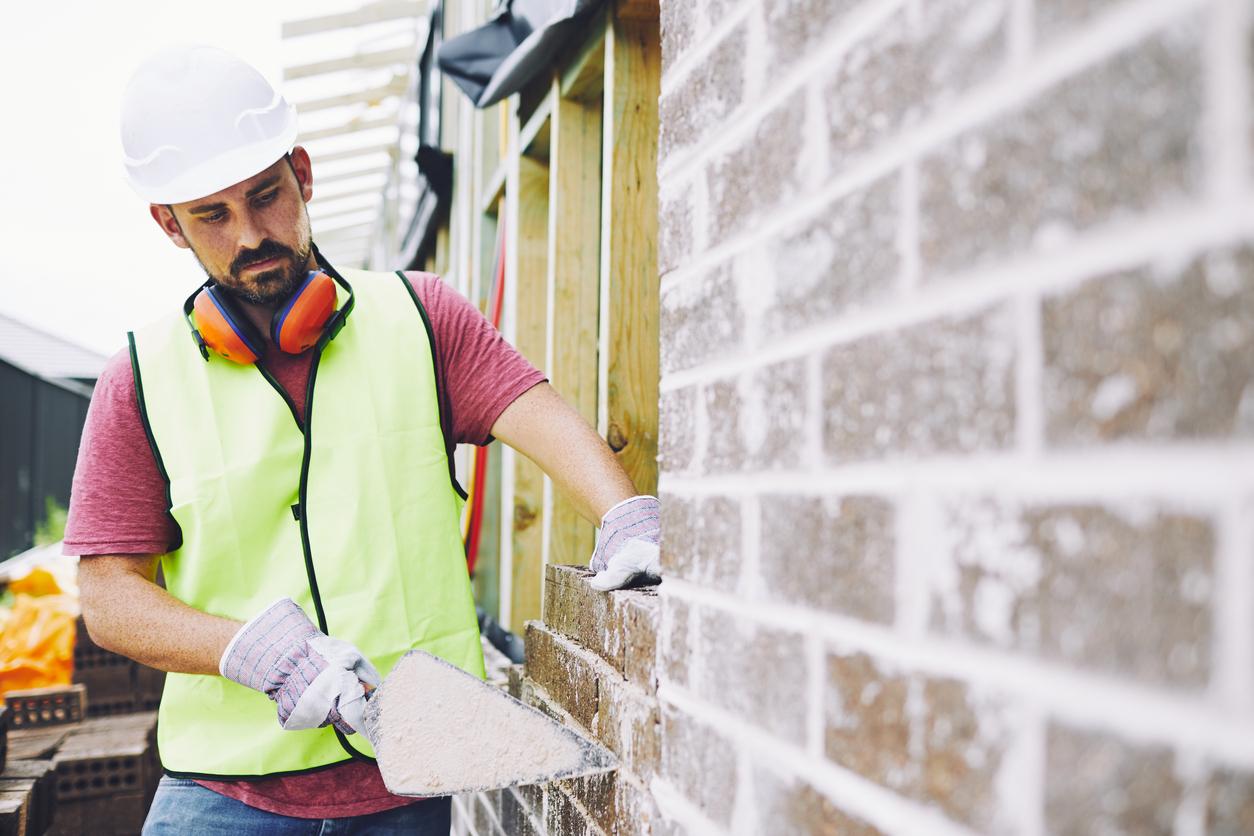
(629,275)
(573,276)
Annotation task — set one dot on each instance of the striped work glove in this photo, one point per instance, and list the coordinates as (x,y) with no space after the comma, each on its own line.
(627,544)
(314,680)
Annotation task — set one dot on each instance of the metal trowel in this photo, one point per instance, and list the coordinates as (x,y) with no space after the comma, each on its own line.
(437,730)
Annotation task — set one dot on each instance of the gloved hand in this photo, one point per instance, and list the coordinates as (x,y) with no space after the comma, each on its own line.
(312,678)
(627,544)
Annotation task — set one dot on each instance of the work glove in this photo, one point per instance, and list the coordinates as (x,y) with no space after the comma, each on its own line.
(314,680)
(627,544)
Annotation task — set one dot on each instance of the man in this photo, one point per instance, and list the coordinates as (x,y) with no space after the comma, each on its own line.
(307,541)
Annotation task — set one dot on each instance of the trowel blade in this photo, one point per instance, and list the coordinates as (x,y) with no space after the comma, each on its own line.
(437,730)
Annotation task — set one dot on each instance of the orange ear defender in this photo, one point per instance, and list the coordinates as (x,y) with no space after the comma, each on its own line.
(308,316)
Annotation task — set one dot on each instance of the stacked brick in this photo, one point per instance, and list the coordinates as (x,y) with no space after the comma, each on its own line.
(590,665)
(957,319)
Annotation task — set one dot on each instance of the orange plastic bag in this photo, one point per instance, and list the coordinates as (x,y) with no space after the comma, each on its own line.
(37,642)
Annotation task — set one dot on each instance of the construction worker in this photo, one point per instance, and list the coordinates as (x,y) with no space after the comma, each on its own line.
(307,540)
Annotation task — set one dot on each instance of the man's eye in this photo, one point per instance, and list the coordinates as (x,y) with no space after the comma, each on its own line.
(268,197)
(213,218)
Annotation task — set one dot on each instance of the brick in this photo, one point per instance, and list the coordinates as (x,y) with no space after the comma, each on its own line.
(579,612)
(945,386)
(846,256)
(640,613)
(787,806)
(1117,140)
(596,795)
(627,724)
(757,422)
(561,815)
(1230,804)
(830,553)
(700,319)
(755,672)
(676,229)
(699,763)
(1126,594)
(701,540)
(678,25)
(798,28)
(712,89)
(907,70)
(929,738)
(515,820)
(677,429)
(674,644)
(1097,784)
(1155,353)
(764,173)
(565,672)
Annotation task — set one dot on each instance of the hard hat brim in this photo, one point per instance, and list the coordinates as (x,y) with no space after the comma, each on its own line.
(222,171)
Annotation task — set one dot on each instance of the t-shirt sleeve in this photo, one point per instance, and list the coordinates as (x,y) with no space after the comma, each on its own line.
(480,374)
(118,502)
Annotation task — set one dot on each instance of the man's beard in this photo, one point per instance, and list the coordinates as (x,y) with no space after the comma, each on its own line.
(269,287)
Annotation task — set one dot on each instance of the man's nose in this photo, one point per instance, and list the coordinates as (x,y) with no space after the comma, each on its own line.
(250,232)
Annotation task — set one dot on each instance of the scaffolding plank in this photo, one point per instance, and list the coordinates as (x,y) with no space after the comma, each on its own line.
(371,13)
(372,95)
(348,153)
(365,60)
(358,173)
(351,127)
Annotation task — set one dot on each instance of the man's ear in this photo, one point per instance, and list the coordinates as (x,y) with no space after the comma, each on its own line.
(302,167)
(164,216)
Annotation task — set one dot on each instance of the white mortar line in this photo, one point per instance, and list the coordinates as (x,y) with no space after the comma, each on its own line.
(908,228)
(1232,646)
(1183,476)
(1029,368)
(750,584)
(857,796)
(1107,35)
(1021,780)
(675,807)
(816,663)
(1190,768)
(1076,697)
(1227,95)
(813,428)
(1174,232)
(744,808)
(1019,34)
(911,567)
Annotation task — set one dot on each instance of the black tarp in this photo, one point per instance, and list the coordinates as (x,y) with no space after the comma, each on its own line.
(499,58)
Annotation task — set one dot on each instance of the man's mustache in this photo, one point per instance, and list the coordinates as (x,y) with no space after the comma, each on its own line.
(268,249)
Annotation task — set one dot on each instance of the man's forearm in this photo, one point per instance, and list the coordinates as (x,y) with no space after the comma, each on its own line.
(127,613)
(552,434)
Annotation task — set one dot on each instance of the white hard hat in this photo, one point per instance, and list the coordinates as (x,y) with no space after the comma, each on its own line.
(196,119)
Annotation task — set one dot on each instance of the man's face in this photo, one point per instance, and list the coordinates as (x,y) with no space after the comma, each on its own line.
(252,238)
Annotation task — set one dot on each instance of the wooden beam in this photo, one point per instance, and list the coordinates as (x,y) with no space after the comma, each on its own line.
(342,213)
(495,188)
(364,60)
(573,292)
(373,96)
(529,338)
(319,202)
(583,78)
(370,13)
(362,173)
(629,275)
(351,127)
(536,130)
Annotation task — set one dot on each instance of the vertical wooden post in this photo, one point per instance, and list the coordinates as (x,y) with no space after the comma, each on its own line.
(629,275)
(574,263)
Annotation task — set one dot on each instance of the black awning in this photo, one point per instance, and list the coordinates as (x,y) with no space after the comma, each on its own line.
(499,58)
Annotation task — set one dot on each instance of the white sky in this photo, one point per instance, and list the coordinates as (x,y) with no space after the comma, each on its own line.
(81,256)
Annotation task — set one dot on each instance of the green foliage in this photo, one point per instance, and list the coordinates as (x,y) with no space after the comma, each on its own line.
(51,529)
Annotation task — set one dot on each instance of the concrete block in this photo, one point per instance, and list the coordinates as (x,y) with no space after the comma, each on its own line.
(790,805)
(701,540)
(713,88)
(699,763)
(700,319)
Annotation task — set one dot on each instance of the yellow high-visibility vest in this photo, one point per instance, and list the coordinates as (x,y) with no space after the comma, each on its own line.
(355,516)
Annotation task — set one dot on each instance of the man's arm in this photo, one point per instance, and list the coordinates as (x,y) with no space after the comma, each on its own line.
(547,430)
(127,613)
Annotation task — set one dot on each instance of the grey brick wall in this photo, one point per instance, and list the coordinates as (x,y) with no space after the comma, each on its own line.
(957,408)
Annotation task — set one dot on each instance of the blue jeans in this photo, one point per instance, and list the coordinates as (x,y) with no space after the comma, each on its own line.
(184,807)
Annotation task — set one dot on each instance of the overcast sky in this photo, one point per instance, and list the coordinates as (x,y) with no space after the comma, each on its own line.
(81,256)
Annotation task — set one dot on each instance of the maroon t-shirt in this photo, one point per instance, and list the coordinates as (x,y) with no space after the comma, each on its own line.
(118,503)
